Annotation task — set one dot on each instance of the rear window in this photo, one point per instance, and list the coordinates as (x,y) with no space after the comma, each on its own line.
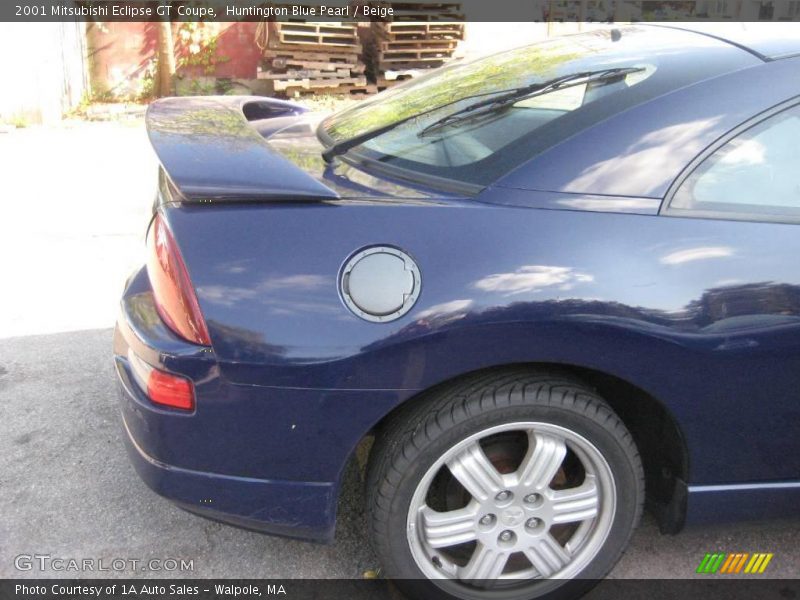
(480,150)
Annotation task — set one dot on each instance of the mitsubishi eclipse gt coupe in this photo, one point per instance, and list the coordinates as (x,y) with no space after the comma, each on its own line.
(540,291)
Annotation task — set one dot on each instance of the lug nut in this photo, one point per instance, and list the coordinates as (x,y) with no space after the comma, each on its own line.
(503,496)
(532,523)
(532,498)
(506,536)
(487,520)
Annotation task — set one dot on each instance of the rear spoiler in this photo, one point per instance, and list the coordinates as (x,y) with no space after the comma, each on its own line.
(209,151)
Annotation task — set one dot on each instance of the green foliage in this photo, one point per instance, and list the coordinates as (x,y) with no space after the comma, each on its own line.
(224,86)
(102,96)
(19,121)
(196,46)
(147,81)
(200,87)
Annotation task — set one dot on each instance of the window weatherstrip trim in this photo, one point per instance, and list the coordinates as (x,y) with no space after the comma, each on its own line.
(668,210)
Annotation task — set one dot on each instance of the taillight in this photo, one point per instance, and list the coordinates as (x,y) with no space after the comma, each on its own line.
(170,390)
(174,295)
(162,387)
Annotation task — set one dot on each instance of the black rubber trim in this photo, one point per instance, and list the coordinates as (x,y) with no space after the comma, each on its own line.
(670,211)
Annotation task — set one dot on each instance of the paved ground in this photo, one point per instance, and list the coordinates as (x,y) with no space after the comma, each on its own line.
(74,204)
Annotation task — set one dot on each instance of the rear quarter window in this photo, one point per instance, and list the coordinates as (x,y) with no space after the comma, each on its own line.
(754,175)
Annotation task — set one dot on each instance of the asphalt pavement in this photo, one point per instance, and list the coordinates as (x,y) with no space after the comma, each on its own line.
(75,200)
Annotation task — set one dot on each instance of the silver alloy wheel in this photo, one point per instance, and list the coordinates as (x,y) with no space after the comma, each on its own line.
(516,512)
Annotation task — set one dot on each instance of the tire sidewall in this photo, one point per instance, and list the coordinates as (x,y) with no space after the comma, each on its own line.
(403,566)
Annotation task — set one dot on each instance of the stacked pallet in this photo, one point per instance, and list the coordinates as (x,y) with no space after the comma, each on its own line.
(312,58)
(421,36)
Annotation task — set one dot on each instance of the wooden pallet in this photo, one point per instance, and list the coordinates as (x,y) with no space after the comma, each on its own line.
(423,44)
(317,37)
(318,28)
(292,74)
(285,42)
(420,36)
(311,57)
(419,31)
(298,56)
(414,54)
(317,84)
(352,91)
(416,37)
(281,68)
(281,64)
(413,36)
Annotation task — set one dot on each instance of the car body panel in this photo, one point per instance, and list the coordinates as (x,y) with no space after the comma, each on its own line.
(705,299)
(702,315)
(641,151)
(268,504)
(770,40)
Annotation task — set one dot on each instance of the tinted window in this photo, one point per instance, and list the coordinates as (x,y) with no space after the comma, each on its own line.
(479,151)
(757,172)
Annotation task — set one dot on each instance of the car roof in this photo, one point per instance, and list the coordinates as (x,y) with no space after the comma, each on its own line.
(768,41)
(640,151)
(670,58)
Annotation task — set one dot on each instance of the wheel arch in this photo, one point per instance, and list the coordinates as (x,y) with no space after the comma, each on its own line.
(657,434)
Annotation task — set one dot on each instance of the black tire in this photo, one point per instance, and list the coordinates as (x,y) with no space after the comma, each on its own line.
(423,431)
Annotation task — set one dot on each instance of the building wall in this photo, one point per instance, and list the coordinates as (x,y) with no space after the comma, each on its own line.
(44,72)
(123,55)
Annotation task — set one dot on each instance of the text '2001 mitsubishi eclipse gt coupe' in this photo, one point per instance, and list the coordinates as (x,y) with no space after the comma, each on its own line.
(549,284)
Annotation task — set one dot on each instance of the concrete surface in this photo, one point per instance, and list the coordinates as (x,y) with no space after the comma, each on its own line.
(76,199)
(75,203)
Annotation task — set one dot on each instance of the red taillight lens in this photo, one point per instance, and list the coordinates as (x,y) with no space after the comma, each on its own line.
(170,390)
(162,387)
(173,292)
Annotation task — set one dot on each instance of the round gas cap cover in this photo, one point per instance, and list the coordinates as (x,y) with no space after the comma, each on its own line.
(380,283)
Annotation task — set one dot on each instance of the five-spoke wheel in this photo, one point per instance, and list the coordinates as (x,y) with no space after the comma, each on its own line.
(508,485)
(524,523)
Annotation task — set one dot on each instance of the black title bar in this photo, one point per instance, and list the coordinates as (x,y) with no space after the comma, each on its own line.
(385,10)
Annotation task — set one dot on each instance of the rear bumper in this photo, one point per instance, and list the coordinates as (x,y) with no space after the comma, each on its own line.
(262,457)
(288,508)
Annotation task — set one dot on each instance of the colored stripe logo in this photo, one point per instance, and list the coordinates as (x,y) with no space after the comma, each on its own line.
(737,562)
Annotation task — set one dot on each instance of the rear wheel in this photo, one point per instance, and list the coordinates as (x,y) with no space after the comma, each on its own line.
(504,486)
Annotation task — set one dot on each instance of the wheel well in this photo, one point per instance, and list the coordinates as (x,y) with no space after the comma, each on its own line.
(657,435)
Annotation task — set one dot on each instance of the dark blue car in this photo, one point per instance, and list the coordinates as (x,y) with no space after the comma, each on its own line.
(540,291)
